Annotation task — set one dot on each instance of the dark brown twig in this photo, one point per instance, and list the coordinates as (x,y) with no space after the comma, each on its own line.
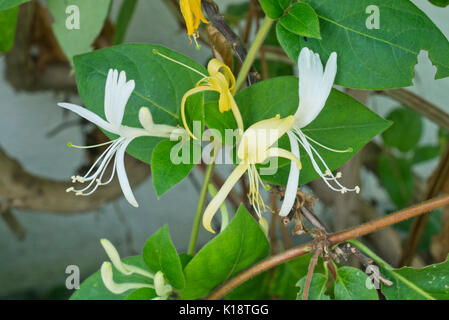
(420,105)
(217,19)
(310,270)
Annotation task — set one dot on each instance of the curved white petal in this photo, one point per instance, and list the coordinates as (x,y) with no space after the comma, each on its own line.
(314,85)
(121,173)
(117,93)
(157,130)
(114,256)
(92,117)
(118,288)
(293,177)
(216,201)
(162,290)
(124,268)
(146,118)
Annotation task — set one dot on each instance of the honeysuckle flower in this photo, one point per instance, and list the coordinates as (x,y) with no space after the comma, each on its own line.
(255,147)
(314,88)
(193,15)
(162,290)
(117,93)
(221,80)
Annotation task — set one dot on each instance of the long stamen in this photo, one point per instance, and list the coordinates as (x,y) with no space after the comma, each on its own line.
(327,176)
(101,159)
(180,63)
(255,198)
(328,148)
(105,158)
(84,178)
(110,178)
(71,145)
(100,171)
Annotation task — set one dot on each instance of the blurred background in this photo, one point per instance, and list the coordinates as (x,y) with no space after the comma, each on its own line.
(40,238)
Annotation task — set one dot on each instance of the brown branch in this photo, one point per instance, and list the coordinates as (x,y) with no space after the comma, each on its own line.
(217,19)
(310,270)
(420,105)
(14,225)
(22,190)
(333,239)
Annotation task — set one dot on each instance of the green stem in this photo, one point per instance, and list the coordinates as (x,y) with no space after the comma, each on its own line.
(199,208)
(253,50)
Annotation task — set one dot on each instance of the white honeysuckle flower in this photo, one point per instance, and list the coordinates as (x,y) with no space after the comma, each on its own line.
(162,290)
(255,147)
(315,85)
(117,93)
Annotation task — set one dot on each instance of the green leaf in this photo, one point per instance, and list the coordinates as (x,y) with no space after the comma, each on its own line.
(425,153)
(93,288)
(317,290)
(396,176)
(302,20)
(240,245)
(253,289)
(440,3)
(8,23)
(160,85)
(343,123)
(159,253)
(406,130)
(351,284)
(274,8)
(123,20)
(236,11)
(73,37)
(165,172)
(185,259)
(8,4)
(372,58)
(431,282)
(142,294)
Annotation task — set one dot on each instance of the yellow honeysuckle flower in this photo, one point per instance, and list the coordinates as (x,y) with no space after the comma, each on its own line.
(221,80)
(193,15)
(255,147)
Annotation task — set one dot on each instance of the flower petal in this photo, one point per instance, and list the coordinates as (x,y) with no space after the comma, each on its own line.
(188,16)
(293,177)
(146,119)
(92,117)
(183,106)
(117,97)
(216,202)
(282,153)
(260,136)
(121,173)
(314,86)
(114,256)
(118,288)
(124,268)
